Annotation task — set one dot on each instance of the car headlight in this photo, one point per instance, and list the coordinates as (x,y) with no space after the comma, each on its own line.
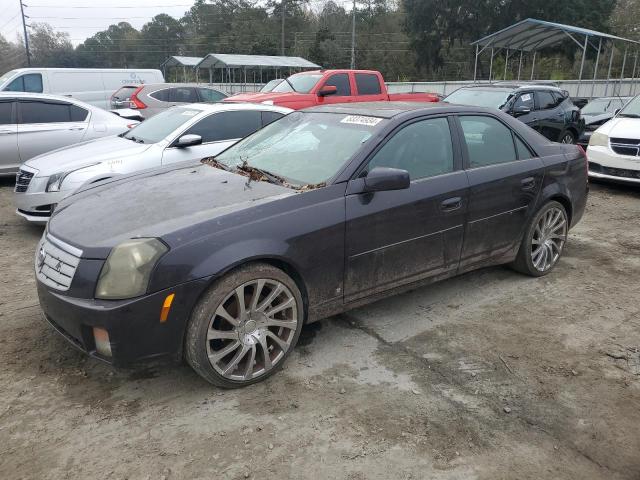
(599,140)
(128,268)
(55,181)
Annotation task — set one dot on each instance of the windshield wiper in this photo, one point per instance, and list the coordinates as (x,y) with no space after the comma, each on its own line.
(258,174)
(214,163)
(629,115)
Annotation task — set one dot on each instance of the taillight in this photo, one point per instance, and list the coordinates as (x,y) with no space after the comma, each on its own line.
(136,103)
(586,160)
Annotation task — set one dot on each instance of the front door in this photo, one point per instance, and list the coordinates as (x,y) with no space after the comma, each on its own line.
(525,101)
(9,160)
(551,115)
(343,89)
(396,237)
(504,180)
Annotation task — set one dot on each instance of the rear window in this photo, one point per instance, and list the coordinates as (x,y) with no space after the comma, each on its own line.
(368,84)
(124,93)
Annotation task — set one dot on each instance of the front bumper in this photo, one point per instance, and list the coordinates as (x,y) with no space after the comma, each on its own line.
(35,204)
(605,164)
(134,327)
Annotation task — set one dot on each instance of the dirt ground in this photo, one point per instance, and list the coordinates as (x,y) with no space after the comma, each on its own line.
(491,375)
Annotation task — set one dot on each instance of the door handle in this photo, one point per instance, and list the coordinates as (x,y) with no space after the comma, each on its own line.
(528,183)
(451,204)
(76,128)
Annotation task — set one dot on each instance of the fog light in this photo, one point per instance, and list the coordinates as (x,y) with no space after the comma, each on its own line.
(103,345)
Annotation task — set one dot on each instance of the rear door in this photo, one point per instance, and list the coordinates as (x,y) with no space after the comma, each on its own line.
(368,88)
(44,125)
(9,160)
(505,178)
(397,237)
(218,131)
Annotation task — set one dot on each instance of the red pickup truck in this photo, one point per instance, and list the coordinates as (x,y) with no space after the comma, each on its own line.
(323,87)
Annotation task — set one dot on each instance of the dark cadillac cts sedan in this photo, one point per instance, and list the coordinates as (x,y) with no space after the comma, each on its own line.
(221,262)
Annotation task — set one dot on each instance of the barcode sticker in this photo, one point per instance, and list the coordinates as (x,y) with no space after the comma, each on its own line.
(361,120)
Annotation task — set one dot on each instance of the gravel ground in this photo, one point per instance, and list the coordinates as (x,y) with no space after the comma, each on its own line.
(491,375)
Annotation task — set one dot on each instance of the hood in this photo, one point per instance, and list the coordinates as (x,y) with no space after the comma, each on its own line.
(595,119)
(92,151)
(258,97)
(622,127)
(155,204)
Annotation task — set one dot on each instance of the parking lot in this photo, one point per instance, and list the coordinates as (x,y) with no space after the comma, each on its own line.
(490,375)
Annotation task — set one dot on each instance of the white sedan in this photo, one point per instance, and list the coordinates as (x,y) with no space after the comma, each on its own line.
(179,134)
(34,123)
(614,149)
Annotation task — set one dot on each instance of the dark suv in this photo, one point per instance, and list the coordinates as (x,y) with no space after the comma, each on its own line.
(544,108)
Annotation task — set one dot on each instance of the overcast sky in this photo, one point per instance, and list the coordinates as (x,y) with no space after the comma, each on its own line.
(82,19)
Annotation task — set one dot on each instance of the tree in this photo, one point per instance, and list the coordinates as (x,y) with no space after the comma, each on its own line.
(49,48)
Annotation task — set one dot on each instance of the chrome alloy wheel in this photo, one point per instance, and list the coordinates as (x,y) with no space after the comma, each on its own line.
(548,239)
(567,138)
(252,329)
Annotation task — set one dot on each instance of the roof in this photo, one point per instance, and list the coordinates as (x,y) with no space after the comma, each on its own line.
(177,61)
(219,60)
(386,109)
(531,34)
(47,96)
(514,86)
(226,106)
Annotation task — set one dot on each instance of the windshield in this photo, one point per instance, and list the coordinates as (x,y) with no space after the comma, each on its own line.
(6,76)
(631,109)
(480,97)
(271,85)
(303,148)
(301,83)
(160,126)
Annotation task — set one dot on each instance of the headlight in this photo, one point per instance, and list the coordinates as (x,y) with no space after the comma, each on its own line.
(599,140)
(54,182)
(126,272)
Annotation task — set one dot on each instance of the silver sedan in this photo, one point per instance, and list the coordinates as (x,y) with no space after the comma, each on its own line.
(184,133)
(32,124)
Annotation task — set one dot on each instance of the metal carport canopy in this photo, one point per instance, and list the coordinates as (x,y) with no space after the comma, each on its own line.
(226,60)
(178,61)
(531,34)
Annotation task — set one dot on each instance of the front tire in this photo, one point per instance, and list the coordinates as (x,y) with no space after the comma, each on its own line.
(543,241)
(244,326)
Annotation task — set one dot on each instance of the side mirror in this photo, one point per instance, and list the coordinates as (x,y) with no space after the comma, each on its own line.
(327,90)
(382,179)
(521,110)
(188,141)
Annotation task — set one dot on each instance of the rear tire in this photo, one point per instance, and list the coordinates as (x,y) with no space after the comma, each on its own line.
(244,326)
(567,137)
(543,241)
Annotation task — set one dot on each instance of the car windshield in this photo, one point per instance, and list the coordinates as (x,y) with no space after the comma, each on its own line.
(631,109)
(480,97)
(160,126)
(600,106)
(301,83)
(303,148)
(271,85)
(6,76)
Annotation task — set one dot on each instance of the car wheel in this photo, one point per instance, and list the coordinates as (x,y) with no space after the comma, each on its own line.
(567,137)
(543,241)
(244,327)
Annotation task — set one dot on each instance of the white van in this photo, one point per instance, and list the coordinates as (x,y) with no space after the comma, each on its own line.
(91,85)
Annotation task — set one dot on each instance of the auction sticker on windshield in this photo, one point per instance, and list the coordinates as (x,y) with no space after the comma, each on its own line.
(361,120)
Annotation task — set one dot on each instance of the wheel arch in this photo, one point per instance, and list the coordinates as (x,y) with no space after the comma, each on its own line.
(562,200)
